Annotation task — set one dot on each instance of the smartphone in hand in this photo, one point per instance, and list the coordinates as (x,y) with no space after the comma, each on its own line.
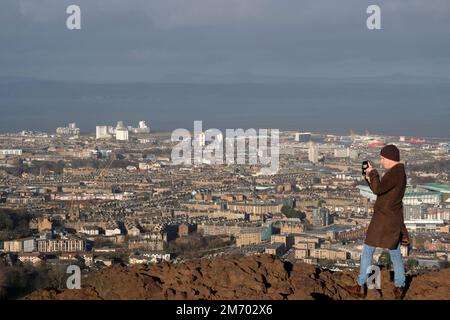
(365,165)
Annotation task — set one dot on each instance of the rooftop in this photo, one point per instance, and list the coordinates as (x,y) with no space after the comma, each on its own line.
(437,187)
(410,191)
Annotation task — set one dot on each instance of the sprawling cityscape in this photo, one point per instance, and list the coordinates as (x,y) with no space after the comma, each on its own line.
(114,197)
(226,155)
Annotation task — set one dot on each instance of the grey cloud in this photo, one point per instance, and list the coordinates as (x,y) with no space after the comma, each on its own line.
(147,39)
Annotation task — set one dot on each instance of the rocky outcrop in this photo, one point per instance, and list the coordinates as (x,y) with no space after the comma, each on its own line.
(237,278)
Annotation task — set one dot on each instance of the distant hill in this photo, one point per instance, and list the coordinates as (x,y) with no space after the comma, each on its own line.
(190,77)
(400,105)
(242,78)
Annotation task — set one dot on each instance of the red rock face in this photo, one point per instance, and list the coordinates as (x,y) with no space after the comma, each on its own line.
(260,277)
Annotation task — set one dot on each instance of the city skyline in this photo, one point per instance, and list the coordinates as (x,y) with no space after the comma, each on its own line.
(72,201)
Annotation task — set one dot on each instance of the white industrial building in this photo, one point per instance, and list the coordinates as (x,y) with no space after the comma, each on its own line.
(120,131)
(142,128)
(70,130)
(102,132)
(424,225)
(303,137)
(413,196)
(345,153)
(11,152)
(313,153)
(122,134)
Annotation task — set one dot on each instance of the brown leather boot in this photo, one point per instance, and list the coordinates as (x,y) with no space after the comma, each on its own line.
(399,293)
(357,291)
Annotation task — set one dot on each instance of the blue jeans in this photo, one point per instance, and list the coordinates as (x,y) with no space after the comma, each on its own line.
(397,261)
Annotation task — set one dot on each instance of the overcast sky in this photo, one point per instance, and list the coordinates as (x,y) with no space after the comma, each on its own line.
(138,40)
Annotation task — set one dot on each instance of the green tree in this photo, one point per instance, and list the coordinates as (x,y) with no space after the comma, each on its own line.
(13,224)
(385,259)
(5,221)
(292,213)
(19,280)
(412,263)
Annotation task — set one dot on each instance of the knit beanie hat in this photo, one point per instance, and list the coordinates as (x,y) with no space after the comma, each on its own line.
(390,152)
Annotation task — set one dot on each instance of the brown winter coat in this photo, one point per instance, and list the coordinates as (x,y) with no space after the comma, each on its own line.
(387,226)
